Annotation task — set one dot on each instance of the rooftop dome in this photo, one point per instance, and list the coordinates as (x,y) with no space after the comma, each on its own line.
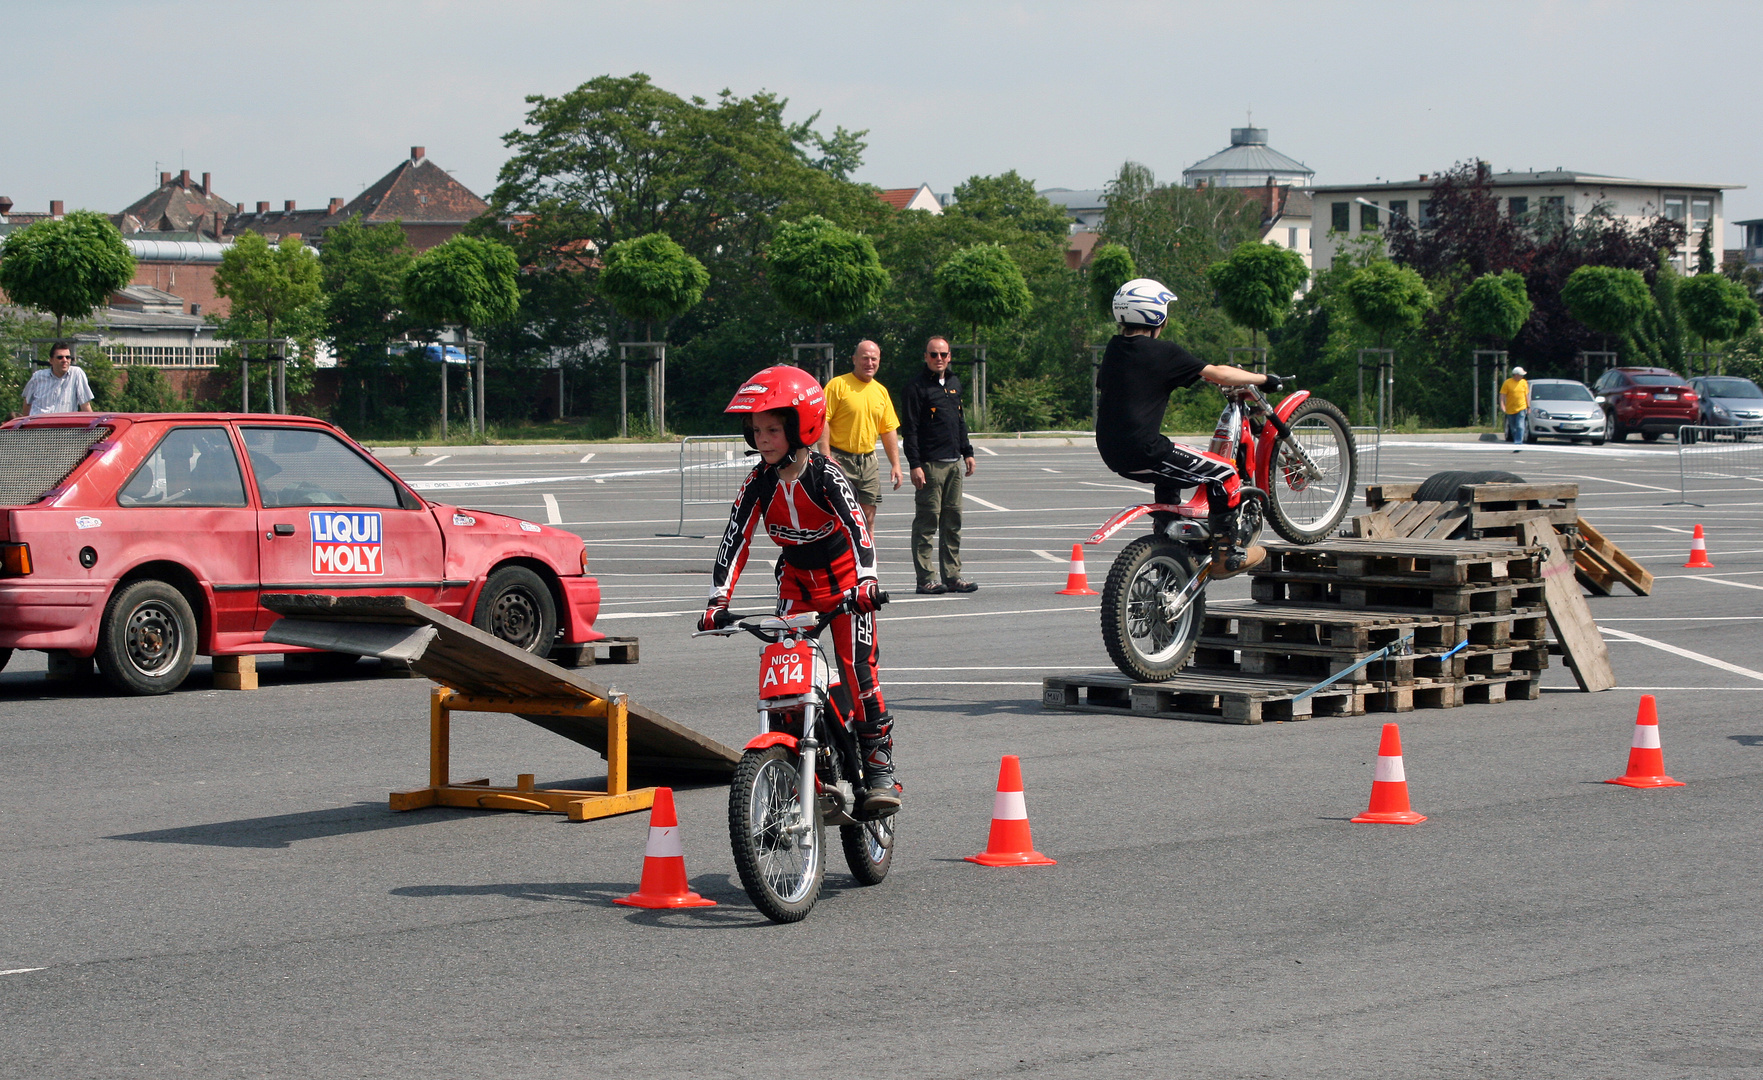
(1247,162)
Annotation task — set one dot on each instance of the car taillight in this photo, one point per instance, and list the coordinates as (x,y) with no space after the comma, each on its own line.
(15,560)
(1689,395)
(584,561)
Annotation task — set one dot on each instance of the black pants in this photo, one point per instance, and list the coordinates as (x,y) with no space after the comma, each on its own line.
(1180,468)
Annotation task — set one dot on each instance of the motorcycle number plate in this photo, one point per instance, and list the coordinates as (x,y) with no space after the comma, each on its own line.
(786,670)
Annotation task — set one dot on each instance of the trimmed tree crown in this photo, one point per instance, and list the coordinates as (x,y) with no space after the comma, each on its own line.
(823,273)
(1255,285)
(982,286)
(1494,306)
(68,267)
(1716,309)
(466,281)
(652,279)
(1110,267)
(1386,298)
(1607,299)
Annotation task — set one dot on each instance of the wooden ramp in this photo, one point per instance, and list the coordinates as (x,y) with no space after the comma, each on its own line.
(480,673)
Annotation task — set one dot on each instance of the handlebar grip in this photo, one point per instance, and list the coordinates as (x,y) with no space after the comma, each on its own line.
(724,618)
(881,599)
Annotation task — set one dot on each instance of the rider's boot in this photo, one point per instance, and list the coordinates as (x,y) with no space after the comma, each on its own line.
(875,740)
(1233,549)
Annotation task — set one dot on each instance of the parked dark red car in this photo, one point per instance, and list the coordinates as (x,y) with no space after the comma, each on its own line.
(1650,400)
(143,540)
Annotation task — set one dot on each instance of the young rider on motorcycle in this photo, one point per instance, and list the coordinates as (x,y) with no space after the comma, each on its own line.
(1138,374)
(811,512)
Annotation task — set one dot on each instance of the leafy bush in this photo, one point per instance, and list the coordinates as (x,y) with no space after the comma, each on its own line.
(1028,404)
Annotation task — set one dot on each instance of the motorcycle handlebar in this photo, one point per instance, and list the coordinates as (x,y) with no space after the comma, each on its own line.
(729,622)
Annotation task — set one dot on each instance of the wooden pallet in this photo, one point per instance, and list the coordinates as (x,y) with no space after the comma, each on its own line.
(1358,631)
(1404,562)
(1208,697)
(1479,511)
(610,650)
(1600,565)
(1417,598)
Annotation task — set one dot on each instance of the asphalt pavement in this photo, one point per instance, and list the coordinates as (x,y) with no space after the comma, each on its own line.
(210,882)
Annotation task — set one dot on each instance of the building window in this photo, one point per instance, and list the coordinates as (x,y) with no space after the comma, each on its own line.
(1700,211)
(1341,222)
(1292,239)
(1553,211)
(1426,213)
(1398,209)
(1367,217)
(1674,208)
(1517,207)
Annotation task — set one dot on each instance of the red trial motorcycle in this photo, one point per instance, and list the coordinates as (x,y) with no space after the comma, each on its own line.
(806,745)
(1300,452)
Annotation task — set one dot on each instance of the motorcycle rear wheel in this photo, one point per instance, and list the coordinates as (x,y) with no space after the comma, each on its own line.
(1142,643)
(1305,510)
(780,863)
(869,849)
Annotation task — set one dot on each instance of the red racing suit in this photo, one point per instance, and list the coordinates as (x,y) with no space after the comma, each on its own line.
(826,551)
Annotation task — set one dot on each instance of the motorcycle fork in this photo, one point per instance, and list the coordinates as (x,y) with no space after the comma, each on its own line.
(806,748)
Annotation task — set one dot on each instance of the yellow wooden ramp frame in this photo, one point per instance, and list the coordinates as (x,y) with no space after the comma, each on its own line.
(618,798)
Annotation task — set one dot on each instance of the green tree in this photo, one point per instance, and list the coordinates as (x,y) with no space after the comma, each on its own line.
(362,270)
(465,282)
(823,273)
(1110,268)
(267,284)
(1715,309)
(982,286)
(1494,307)
(1386,299)
(651,279)
(1010,199)
(1607,300)
(65,268)
(1255,285)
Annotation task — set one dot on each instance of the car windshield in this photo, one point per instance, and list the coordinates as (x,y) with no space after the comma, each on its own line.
(1731,388)
(1656,380)
(1560,391)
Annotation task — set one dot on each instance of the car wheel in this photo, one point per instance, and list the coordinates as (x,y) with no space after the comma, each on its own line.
(1599,441)
(147,640)
(1649,436)
(517,607)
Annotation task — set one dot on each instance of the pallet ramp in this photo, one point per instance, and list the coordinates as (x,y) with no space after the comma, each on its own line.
(478,665)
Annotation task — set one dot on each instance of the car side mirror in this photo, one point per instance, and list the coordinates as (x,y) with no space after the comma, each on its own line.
(1600,400)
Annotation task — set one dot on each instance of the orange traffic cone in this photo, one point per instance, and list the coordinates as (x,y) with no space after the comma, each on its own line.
(1009,843)
(1646,761)
(1389,786)
(1698,553)
(664,863)
(1077,583)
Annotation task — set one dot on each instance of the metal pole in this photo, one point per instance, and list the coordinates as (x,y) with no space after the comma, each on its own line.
(1475,390)
(441,346)
(623,400)
(245,380)
(281,378)
(660,390)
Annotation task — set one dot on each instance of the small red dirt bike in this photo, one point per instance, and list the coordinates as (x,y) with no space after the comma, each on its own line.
(1300,452)
(806,744)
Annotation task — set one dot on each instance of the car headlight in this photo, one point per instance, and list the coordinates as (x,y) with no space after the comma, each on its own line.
(1541,415)
(1721,411)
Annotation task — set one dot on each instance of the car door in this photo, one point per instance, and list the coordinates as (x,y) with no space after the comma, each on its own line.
(331,522)
(185,502)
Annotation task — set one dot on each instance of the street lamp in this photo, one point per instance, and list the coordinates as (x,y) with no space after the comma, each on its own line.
(1385,209)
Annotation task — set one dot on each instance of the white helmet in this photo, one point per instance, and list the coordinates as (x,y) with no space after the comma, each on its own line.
(1142,302)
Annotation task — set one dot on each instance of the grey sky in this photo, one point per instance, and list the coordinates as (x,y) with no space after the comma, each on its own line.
(306,101)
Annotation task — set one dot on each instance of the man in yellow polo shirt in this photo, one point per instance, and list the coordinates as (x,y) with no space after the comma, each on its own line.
(858,409)
(1515,400)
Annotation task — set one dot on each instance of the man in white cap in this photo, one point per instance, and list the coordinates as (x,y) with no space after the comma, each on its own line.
(1515,399)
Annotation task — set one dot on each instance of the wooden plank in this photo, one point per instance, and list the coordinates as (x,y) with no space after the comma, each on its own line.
(1480,493)
(1498,519)
(471,662)
(1569,615)
(1421,520)
(1625,569)
(1376,495)
(1375,525)
(1444,526)
(235,672)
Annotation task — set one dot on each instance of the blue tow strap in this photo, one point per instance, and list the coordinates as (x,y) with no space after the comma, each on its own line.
(1393,648)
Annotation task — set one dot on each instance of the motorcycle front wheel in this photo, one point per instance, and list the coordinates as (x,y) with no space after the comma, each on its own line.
(776,835)
(869,848)
(1306,508)
(1143,643)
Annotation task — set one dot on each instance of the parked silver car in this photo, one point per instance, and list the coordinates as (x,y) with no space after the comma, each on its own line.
(1729,401)
(1564,409)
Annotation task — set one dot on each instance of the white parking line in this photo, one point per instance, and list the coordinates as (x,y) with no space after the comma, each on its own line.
(1045,469)
(437,461)
(1720,581)
(21,971)
(1624,635)
(982,502)
(979,614)
(553,516)
(987,450)
(952,682)
(1047,555)
(587,458)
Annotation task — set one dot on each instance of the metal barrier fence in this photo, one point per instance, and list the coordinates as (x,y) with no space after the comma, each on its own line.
(711,468)
(1712,458)
(1376,450)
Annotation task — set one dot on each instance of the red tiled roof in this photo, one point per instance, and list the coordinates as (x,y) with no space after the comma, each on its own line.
(897,197)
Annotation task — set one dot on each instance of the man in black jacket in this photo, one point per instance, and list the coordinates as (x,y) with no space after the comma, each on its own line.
(933,432)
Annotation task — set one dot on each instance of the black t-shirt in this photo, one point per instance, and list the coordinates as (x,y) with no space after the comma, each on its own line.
(1138,374)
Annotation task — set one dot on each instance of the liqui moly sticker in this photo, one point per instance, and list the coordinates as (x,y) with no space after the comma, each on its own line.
(527,526)
(86,522)
(346,543)
(464,519)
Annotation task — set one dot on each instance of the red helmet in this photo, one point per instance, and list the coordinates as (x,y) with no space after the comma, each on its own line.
(789,390)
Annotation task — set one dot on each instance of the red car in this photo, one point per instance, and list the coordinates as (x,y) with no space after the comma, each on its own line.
(142,540)
(1650,400)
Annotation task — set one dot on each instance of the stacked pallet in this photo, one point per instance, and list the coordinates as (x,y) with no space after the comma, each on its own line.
(1469,620)
(1479,511)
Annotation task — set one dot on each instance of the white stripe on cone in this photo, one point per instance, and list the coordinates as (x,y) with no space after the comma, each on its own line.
(1646,737)
(1009,806)
(663,843)
(1389,771)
